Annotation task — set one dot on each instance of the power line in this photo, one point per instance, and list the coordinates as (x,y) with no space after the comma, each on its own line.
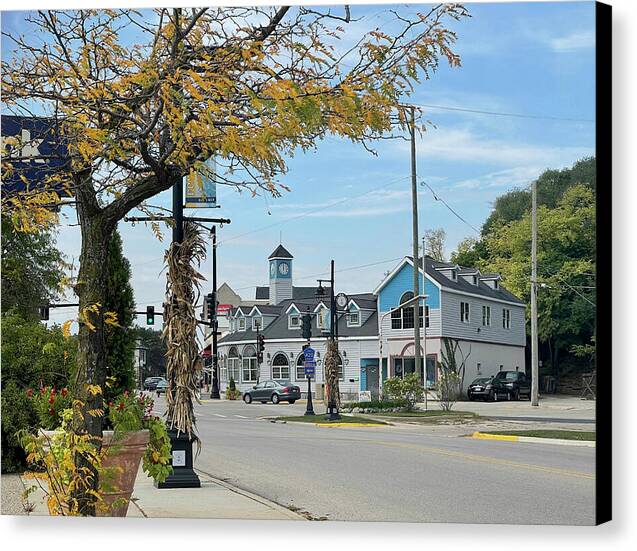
(502,113)
(437,198)
(311,212)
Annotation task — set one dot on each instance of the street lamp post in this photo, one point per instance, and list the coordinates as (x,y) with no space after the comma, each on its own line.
(214,391)
(332,409)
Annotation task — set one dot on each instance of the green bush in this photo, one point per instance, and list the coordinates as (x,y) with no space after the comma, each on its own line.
(409,390)
(377,404)
(32,357)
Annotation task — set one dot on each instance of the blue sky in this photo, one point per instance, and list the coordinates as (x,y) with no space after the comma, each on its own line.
(529,58)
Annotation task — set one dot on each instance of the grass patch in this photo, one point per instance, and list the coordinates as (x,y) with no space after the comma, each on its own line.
(561,434)
(431,413)
(322,419)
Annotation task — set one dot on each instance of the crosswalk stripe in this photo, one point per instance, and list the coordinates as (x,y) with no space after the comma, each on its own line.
(219,415)
(241,416)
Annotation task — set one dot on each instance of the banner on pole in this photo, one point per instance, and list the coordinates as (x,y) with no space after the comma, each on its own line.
(201,188)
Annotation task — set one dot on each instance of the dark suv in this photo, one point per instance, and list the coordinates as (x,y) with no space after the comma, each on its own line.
(516,383)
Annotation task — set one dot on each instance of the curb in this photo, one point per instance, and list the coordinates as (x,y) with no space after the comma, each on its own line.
(272,504)
(532,439)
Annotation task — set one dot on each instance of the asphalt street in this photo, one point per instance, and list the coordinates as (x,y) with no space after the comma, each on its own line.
(398,473)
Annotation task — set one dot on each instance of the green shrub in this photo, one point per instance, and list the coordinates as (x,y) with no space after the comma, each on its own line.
(377,404)
(409,390)
(32,357)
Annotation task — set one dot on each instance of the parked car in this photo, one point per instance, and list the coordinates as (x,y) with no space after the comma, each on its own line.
(487,388)
(150,383)
(161,387)
(274,391)
(516,383)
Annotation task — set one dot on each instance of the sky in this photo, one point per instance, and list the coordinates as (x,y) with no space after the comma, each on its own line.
(532,59)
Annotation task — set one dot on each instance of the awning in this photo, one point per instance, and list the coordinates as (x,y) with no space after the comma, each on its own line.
(207,352)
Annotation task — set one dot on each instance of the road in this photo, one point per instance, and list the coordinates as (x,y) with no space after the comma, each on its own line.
(398,473)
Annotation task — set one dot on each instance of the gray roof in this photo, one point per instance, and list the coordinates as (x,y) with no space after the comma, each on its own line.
(278,328)
(298,293)
(461,285)
(280,252)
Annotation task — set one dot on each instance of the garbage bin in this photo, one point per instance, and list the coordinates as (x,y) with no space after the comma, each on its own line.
(319,391)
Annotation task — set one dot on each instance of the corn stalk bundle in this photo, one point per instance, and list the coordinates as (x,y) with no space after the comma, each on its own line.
(331,373)
(183,362)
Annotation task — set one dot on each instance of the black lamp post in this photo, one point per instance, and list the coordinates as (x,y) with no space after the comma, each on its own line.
(309,410)
(332,410)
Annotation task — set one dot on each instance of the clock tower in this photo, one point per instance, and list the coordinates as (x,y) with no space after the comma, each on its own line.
(280,262)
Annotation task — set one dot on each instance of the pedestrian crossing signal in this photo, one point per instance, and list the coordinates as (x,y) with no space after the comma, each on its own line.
(150,315)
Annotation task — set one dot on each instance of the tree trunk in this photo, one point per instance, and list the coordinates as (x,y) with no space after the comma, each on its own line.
(91,357)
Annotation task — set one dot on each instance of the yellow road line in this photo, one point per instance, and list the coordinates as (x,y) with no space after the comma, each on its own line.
(487,436)
(486,459)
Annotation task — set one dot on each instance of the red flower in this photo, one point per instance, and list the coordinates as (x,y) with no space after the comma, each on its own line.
(126,393)
(110,404)
(30,392)
(41,390)
(53,391)
(121,406)
(52,399)
(51,411)
(64,392)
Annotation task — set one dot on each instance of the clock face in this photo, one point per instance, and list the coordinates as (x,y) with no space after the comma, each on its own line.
(284,268)
(341,300)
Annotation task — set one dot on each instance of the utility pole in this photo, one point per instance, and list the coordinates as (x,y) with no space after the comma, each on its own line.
(424,316)
(214,392)
(534,351)
(414,206)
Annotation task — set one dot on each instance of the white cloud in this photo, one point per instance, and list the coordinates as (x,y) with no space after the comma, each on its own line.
(463,145)
(573,41)
(507,178)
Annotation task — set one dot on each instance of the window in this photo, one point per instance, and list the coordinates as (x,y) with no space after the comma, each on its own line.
(249,364)
(506,318)
(454,275)
(486,315)
(233,365)
(242,324)
(354,319)
(475,279)
(496,284)
(464,312)
(300,369)
(396,319)
(404,318)
(426,316)
(294,321)
(257,322)
(280,367)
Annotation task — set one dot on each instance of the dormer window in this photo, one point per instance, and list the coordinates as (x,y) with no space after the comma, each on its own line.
(257,322)
(242,324)
(354,319)
(496,284)
(454,275)
(294,320)
(475,279)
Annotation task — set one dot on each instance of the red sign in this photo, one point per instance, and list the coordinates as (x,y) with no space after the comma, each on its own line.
(223,309)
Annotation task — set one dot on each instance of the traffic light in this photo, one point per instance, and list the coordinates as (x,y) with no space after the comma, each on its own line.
(306,326)
(150,315)
(210,307)
(260,357)
(44,312)
(261,343)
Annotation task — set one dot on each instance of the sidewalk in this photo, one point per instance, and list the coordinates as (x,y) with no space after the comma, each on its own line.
(215,499)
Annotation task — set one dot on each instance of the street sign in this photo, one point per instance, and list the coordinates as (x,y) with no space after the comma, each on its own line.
(38,151)
(309,368)
(308,354)
(201,188)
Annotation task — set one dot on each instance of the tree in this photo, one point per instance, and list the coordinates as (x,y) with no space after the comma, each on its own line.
(32,270)
(120,338)
(247,86)
(453,361)
(155,347)
(566,267)
(435,243)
